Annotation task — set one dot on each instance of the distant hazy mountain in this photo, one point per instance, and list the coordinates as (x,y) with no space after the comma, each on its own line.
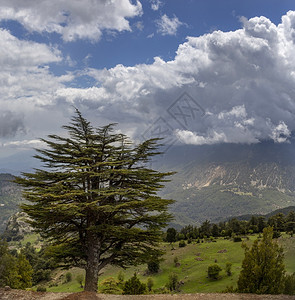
(10,198)
(219,181)
(19,162)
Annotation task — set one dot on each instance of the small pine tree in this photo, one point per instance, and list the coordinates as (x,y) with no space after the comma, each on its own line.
(25,272)
(263,270)
(110,286)
(134,286)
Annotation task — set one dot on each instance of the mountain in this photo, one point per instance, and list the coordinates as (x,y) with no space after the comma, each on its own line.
(285,211)
(221,181)
(10,198)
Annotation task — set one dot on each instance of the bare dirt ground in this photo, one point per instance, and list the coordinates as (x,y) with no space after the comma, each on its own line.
(28,295)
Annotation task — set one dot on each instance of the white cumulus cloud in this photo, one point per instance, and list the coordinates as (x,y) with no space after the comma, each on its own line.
(73,19)
(243,80)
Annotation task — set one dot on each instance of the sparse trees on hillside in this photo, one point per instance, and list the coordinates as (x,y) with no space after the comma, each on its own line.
(96,202)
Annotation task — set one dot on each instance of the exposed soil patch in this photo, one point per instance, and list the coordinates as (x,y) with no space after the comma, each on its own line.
(28,295)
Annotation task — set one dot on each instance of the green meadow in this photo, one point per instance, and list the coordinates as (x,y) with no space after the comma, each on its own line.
(193,262)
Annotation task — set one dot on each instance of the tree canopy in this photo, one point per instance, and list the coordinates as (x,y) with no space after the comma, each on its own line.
(95,200)
(263,270)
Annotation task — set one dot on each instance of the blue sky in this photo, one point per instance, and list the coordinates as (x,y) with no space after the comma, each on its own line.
(139,62)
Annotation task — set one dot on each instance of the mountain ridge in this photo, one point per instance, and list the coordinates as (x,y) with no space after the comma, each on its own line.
(223,181)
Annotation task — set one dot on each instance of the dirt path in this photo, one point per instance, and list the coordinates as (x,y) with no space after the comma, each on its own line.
(27,295)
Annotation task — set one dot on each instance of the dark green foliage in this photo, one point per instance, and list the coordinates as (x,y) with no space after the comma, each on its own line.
(182,244)
(171,235)
(289,288)
(234,228)
(134,286)
(153,266)
(69,276)
(263,269)
(228,266)
(213,271)
(41,289)
(42,263)
(96,202)
(172,284)
(237,239)
(276,234)
(15,272)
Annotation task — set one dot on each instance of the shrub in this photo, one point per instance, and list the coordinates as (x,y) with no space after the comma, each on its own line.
(110,286)
(121,277)
(69,277)
(153,266)
(289,288)
(228,268)
(80,279)
(172,284)
(213,271)
(150,284)
(276,234)
(134,286)
(237,239)
(182,244)
(41,289)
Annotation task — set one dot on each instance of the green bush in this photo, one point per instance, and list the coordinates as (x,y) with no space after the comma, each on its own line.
(80,279)
(182,244)
(237,239)
(153,266)
(289,284)
(213,271)
(134,286)
(69,277)
(228,268)
(110,286)
(172,284)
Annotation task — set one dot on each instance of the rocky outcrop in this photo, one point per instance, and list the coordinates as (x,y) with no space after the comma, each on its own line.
(17,227)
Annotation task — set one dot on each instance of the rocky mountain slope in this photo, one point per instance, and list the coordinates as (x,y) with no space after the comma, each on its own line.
(10,198)
(220,181)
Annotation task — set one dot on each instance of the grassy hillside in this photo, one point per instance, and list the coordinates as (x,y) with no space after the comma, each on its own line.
(194,260)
